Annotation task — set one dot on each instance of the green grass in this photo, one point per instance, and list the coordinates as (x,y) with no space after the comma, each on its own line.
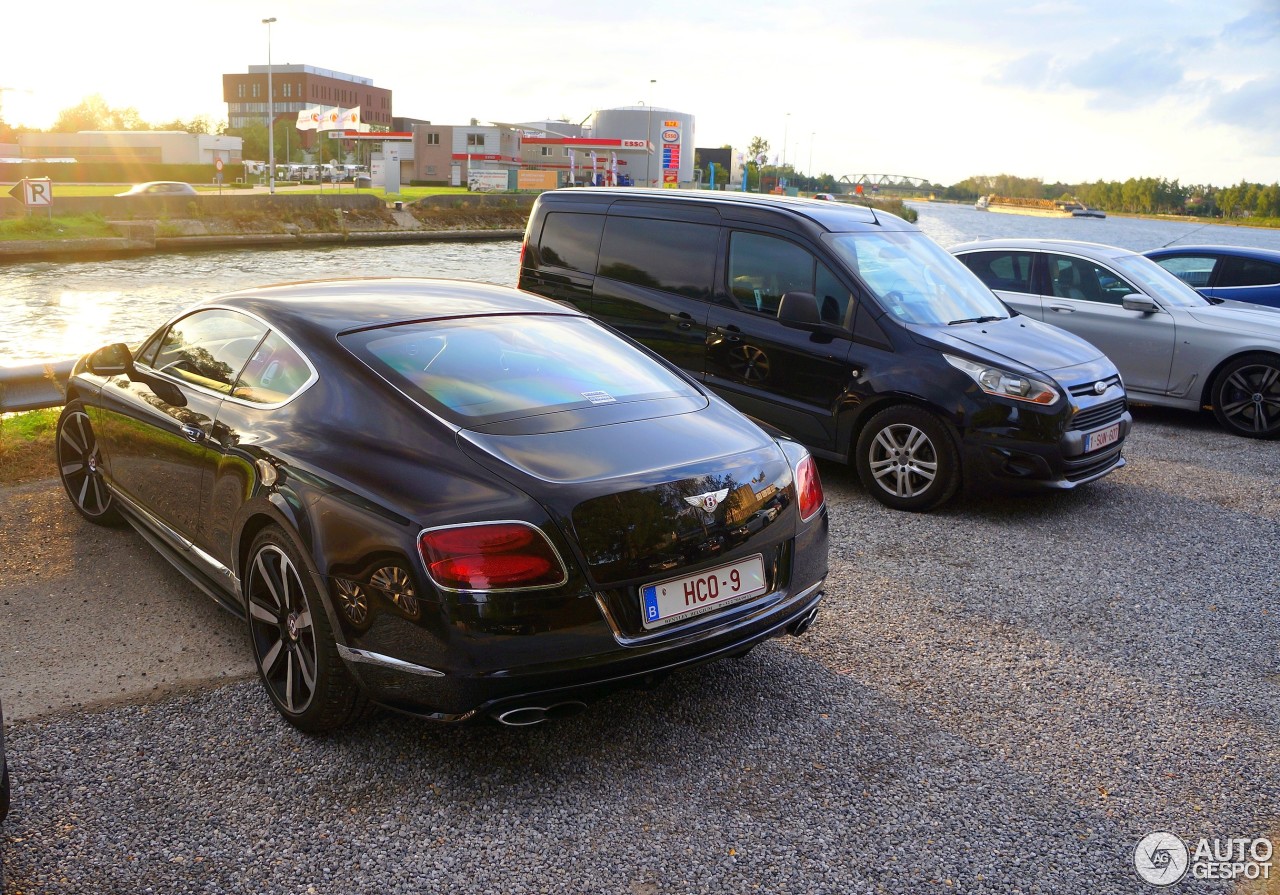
(26,445)
(39,226)
(28,425)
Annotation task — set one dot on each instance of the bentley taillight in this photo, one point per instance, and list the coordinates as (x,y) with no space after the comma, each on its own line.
(491,556)
(808,488)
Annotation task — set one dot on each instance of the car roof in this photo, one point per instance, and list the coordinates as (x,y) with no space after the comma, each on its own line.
(325,308)
(839,217)
(1079,247)
(1242,251)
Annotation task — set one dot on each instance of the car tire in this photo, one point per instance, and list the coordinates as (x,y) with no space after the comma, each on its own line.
(292,642)
(1246,396)
(907,459)
(79,466)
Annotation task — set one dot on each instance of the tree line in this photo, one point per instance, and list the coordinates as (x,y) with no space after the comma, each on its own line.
(1137,195)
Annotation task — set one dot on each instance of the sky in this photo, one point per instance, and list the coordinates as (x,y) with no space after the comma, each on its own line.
(1062,90)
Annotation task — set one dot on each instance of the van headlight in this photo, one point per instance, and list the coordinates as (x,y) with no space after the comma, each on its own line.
(995,381)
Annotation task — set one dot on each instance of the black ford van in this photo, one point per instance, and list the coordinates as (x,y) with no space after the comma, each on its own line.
(843,326)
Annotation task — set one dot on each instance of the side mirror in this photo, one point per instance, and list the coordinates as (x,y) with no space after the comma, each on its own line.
(1141,303)
(799,309)
(113,360)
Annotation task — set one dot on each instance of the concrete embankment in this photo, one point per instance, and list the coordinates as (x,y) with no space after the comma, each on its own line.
(164,223)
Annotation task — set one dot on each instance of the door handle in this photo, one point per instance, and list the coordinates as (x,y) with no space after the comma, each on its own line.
(730,333)
(193,433)
(1062,309)
(683,320)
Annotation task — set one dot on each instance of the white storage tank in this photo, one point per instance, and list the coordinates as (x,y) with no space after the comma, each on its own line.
(670,132)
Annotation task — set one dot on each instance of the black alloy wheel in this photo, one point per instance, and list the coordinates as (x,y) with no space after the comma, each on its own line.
(907,460)
(293,645)
(80,467)
(1246,396)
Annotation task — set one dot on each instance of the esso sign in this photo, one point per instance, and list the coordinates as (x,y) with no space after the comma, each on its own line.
(670,136)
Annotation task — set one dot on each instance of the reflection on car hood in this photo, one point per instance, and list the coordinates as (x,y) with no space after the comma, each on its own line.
(1020,342)
(1240,316)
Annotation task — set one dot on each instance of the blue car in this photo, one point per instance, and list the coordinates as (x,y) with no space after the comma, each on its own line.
(1232,272)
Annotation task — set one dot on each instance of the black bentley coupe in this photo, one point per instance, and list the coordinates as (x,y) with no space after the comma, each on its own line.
(450,499)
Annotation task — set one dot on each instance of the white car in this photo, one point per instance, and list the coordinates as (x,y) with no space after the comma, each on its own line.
(1173,346)
(160,188)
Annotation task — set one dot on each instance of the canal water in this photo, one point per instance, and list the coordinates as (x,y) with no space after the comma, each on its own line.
(56,310)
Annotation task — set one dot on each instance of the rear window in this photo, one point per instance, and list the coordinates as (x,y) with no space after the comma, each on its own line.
(1248,272)
(476,371)
(571,240)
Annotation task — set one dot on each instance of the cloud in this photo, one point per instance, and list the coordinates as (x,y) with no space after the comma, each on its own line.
(1253,107)
(1123,77)
(1035,71)
(1258,27)
(1115,76)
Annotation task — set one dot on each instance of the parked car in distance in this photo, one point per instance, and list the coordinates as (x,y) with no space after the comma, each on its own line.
(843,326)
(1174,347)
(452,499)
(1238,273)
(825,196)
(160,188)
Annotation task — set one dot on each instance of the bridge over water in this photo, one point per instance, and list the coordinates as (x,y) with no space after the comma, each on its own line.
(889,183)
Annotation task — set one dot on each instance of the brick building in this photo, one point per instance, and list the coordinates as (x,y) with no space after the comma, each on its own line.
(298,87)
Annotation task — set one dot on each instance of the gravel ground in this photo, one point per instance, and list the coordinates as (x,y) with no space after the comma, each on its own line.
(1002,697)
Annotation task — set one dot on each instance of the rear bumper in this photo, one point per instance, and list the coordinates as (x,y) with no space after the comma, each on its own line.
(458,696)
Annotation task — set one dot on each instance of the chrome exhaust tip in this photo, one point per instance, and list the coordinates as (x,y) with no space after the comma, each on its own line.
(529,715)
(799,626)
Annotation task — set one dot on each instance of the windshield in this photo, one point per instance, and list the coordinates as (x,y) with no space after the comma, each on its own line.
(916,280)
(1158,282)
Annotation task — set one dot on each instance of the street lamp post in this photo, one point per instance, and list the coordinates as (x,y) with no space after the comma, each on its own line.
(810,171)
(271,115)
(786,127)
(648,137)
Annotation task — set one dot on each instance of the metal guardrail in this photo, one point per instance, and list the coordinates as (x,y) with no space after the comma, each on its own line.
(34,386)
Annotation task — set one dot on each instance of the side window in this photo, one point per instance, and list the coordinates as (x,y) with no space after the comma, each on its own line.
(571,240)
(673,256)
(274,374)
(208,348)
(763,268)
(835,303)
(1194,270)
(1006,271)
(1248,272)
(1080,279)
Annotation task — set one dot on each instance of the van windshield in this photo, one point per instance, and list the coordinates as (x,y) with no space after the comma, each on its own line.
(916,280)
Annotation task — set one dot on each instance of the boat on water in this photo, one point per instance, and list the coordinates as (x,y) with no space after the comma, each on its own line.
(1045,208)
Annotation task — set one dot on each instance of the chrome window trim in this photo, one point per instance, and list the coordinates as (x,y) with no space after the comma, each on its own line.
(226,396)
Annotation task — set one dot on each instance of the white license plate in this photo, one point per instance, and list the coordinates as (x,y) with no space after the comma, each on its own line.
(681,598)
(1102,438)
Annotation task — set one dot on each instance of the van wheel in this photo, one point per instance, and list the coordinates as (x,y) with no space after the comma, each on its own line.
(907,459)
